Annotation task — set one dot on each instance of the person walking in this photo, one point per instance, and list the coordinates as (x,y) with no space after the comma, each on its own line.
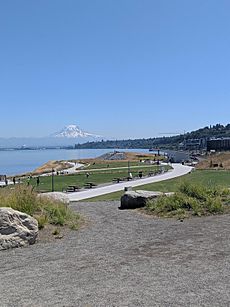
(38,181)
(14,180)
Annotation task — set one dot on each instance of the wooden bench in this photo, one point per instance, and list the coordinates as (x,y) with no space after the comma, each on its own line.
(117,180)
(89,185)
(72,188)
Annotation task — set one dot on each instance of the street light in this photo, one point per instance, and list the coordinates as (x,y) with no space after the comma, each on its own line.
(52,180)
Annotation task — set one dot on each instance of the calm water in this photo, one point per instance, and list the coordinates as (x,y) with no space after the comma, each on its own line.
(18,162)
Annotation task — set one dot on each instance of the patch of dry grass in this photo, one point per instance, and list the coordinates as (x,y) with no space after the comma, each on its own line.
(45,210)
(216,161)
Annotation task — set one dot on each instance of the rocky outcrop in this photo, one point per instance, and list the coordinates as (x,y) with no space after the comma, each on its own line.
(138,199)
(16,229)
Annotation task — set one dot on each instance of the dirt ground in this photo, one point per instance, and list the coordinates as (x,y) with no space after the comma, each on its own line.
(123,258)
(218,160)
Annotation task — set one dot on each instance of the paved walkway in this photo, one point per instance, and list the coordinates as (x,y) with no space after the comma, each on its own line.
(178,170)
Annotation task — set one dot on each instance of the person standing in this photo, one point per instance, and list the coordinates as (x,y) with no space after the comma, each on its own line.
(14,180)
(38,181)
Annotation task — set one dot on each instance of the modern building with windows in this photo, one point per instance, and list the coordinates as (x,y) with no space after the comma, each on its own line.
(218,144)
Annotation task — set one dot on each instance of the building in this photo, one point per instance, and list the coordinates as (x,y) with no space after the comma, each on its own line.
(218,144)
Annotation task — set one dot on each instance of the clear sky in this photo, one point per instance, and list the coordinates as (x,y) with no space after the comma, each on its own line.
(120,68)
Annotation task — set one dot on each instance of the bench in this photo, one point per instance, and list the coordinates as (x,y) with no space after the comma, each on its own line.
(117,180)
(72,188)
(89,185)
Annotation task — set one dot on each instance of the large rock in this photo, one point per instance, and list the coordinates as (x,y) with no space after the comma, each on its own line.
(16,229)
(138,199)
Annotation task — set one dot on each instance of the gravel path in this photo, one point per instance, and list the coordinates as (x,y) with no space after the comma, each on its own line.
(123,258)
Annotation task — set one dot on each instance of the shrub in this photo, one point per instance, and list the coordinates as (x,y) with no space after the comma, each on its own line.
(45,210)
(191,199)
(42,220)
(194,190)
(214,205)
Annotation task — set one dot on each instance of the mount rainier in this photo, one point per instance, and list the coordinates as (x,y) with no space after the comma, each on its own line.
(68,136)
(73,131)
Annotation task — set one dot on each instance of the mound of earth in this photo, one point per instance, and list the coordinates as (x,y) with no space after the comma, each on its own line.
(128,156)
(53,164)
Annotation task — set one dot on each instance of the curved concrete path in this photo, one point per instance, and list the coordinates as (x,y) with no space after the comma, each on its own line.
(178,170)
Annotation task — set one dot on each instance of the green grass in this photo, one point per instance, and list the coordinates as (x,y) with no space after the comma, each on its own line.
(113,164)
(45,210)
(207,178)
(61,182)
(191,199)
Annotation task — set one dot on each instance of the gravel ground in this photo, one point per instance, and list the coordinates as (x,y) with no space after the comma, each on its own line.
(123,258)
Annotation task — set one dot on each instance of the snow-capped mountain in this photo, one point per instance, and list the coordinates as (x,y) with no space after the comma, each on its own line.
(73,131)
(68,136)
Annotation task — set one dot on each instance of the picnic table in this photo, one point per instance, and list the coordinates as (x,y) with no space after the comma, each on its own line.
(117,180)
(89,185)
(72,188)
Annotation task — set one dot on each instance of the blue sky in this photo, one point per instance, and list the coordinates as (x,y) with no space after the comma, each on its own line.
(120,68)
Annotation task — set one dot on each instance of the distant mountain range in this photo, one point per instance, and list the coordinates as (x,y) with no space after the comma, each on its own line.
(68,136)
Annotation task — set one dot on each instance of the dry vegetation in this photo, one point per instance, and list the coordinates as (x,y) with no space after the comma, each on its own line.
(47,211)
(47,167)
(216,161)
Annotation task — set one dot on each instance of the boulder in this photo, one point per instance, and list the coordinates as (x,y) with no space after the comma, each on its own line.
(17,229)
(138,199)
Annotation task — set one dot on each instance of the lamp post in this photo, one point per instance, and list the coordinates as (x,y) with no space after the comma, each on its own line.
(52,180)
(128,169)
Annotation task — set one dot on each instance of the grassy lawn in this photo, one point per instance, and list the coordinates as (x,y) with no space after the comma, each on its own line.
(61,182)
(208,178)
(112,164)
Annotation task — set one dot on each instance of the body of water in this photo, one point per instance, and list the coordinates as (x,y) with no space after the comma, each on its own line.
(21,161)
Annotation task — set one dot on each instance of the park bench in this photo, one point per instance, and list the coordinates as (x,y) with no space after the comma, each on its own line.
(126,179)
(72,188)
(89,185)
(117,180)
